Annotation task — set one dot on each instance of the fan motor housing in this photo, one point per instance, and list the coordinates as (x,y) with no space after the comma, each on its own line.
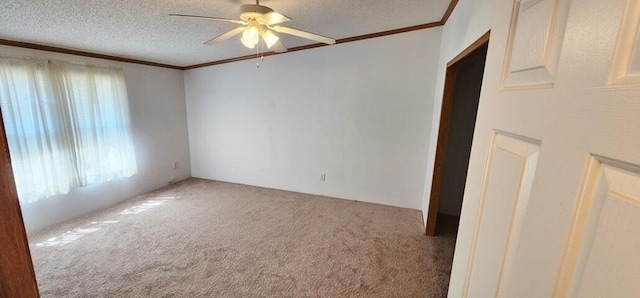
(253,11)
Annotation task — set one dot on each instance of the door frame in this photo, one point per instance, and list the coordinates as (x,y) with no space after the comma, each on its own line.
(443,131)
(17,276)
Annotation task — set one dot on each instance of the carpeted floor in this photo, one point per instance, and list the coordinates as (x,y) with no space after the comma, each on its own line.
(202,238)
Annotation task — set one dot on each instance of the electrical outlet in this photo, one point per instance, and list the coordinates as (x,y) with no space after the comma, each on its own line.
(323,177)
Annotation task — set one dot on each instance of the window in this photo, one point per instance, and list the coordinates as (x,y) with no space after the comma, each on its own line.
(67,125)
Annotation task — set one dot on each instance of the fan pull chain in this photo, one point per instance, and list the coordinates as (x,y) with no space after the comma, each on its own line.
(258,55)
(262,50)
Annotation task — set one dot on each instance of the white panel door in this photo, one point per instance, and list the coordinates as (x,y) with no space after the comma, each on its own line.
(552,201)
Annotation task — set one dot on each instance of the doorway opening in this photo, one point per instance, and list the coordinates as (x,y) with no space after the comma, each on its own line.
(463,82)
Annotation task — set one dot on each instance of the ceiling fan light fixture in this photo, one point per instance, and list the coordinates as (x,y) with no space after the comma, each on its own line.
(247,43)
(269,38)
(260,22)
(250,37)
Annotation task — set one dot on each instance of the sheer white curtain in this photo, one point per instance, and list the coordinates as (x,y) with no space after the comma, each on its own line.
(31,117)
(97,113)
(67,125)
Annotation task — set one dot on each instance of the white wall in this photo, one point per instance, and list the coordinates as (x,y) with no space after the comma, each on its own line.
(359,112)
(159,126)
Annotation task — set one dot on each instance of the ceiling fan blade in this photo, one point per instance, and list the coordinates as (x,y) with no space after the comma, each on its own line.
(279,47)
(225,36)
(273,18)
(304,34)
(209,18)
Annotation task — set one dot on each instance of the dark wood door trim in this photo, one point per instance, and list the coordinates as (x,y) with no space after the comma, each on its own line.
(443,131)
(17,277)
(474,46)
(443,137)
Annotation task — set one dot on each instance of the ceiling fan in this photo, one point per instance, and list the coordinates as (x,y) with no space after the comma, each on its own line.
(259,22)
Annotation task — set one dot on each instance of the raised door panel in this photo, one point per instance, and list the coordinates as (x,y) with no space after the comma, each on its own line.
(535,40)
(601,254)
(509,177)
(625,67)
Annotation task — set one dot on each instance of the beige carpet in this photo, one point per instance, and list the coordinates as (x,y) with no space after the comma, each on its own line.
(202,238)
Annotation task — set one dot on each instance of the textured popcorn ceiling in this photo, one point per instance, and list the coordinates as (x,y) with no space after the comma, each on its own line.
(143,30)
